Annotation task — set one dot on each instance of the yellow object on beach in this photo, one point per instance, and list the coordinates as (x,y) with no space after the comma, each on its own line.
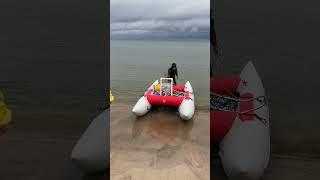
(157,87)
(5,113)
(111,97)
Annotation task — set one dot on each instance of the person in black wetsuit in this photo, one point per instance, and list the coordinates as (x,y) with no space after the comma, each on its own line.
(173,72)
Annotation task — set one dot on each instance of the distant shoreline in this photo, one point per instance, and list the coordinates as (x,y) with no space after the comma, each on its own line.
(164,40)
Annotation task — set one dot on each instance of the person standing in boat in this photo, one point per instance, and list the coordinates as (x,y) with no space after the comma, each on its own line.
(173,72)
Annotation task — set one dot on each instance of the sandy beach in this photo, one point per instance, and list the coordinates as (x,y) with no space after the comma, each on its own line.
(32,155)
(159,145)
(283,167)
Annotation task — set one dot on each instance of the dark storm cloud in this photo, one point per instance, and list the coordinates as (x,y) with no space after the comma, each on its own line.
(159,19)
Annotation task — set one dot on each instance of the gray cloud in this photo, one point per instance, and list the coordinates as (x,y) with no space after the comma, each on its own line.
(146,19)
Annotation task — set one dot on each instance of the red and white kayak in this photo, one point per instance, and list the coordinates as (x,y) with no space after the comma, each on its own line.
(164,93)
(242,126)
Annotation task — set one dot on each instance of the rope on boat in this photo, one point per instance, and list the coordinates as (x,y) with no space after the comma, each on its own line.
(261,99)
(177,93)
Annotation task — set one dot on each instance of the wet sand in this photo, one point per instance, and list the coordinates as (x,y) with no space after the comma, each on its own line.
(159,145)
(283,167)
(32,155)
(152,147)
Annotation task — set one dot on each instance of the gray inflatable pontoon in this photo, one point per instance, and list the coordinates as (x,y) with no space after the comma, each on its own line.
(92,150)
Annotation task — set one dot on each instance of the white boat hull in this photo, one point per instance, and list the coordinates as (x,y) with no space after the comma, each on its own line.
(143,106)
(245,150)
(186,109)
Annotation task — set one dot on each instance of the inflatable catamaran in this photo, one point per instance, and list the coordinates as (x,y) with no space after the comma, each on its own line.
(240,123)
(164,93)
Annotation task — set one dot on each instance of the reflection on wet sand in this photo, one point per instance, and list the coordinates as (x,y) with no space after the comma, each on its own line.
(159,145)
(164,127)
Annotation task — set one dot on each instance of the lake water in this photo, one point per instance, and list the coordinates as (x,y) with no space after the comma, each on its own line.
(135,65)
(53,63)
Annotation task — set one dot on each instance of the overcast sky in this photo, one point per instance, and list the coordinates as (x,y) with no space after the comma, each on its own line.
(160,19)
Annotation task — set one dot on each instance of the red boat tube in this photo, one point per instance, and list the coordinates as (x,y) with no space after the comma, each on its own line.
(222,121)
(166,100)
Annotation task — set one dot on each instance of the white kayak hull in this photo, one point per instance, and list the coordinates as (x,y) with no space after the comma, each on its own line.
(245,150)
